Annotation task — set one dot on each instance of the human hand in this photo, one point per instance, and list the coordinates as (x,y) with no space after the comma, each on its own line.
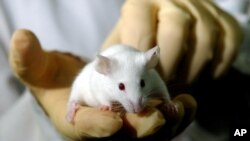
(49,75)
(190,33)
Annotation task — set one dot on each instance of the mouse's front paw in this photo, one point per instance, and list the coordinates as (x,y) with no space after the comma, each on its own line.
(72,109)
(105,108)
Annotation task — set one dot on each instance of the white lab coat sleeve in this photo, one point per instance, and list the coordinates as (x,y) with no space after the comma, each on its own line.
(26,121)
(9,86)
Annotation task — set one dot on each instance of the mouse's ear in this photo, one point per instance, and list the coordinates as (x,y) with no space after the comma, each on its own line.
(103,65)
(152,57)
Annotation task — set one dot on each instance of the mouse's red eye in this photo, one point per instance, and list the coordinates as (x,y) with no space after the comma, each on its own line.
(121,86)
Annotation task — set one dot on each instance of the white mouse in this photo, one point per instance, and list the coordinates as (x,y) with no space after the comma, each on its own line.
(118,74)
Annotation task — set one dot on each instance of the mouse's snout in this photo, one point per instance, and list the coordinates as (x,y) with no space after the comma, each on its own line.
(137,106)
(138,109)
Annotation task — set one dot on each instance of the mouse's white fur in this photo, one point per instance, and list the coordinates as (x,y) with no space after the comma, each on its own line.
(98,83)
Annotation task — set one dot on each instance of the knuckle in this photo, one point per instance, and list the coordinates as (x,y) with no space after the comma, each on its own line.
(176,14)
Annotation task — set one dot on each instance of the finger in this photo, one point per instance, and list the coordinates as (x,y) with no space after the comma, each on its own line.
(24,55)
(171,36)
(135,123)
(40,68)
(173,121)
(190,107)
(229,41)
(201,45)
(138,24)
(136,27)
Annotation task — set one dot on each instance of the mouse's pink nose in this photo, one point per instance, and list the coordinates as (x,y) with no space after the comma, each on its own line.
(137,107)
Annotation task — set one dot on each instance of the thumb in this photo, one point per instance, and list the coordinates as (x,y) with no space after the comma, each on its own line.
(25,54)
(36,67)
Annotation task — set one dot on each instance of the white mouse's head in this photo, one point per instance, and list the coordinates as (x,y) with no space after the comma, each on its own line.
(127,74)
